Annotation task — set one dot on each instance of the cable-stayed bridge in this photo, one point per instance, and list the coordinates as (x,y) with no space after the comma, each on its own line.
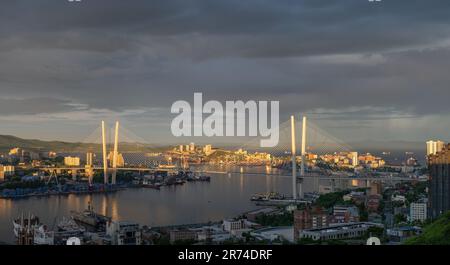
(108,142)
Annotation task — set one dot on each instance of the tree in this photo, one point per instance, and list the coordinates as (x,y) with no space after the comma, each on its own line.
(435,233)
(399,218)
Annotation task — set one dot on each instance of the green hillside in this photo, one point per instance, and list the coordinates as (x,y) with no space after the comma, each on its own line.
(7,142)
(436,233)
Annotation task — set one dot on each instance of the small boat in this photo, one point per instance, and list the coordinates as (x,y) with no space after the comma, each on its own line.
(152,186)
(42,236)
(205,178)
(179,182)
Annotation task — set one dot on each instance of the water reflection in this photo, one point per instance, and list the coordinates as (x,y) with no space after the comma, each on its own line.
(227,195)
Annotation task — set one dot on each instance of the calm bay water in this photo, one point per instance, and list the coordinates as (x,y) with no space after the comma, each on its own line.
(226,196)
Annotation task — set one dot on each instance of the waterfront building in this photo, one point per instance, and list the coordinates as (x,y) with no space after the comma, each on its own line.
(336,232)
(15,151)
(183,235)
(370,161)
(6,171)
(230,225)
(89,159)
(418,211)
(207,149)
(124,233)
(72,161)
(205,234)
(354,157)
(439,195)
(89,167)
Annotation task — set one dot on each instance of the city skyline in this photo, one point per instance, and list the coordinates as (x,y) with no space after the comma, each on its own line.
(65,66)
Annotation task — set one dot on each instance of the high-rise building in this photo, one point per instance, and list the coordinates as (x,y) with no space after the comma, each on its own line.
(439,168)
(354,157)
(89,159)
(207,149)
(89,167)
(434,147)
(71,161)
(418,211)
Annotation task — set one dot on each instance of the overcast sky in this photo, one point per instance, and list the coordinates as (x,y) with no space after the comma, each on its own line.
(360,70)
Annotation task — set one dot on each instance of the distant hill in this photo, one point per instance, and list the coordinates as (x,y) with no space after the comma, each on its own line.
(7,142)
(436,233)
(392,146)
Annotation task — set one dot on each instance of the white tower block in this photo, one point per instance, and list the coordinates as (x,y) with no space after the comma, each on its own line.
(294,162)
(302,169)
(105,161)
(115,154)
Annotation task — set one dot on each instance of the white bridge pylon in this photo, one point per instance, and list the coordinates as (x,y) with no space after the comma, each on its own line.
(115,155)
(297,188)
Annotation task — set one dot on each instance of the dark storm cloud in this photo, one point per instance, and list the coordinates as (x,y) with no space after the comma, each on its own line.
(348,58)
(255,27)
(32,106)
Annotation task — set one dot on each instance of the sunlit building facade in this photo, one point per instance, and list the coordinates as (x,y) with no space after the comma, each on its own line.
(439,168)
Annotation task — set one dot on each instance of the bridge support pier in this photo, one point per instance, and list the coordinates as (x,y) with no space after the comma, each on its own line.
(74,175)
(300,189)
